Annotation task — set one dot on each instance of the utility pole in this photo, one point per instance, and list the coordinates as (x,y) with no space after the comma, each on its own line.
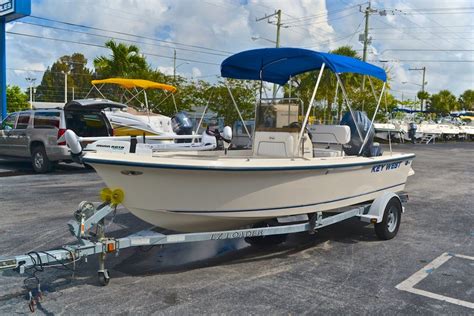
(65,87)
(31,81)
(174,65)
(278,25)
(365,39)
(422,100)
(367,12)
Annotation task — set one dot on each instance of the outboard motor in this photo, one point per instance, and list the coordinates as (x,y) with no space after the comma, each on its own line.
(225,137)
(362,122)
(182,125)
(412,131)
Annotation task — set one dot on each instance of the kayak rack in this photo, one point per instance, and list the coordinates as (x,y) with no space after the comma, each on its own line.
(88,226)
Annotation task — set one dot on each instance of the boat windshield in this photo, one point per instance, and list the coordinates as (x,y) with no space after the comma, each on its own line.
(279,115)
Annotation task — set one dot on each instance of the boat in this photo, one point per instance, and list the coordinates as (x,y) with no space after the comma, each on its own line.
(467,130)
(386,130)
(129,121)
(430,129)
(281,176)
(448,129)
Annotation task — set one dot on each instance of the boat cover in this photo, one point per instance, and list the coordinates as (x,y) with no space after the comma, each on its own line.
(277,65)
(133,83)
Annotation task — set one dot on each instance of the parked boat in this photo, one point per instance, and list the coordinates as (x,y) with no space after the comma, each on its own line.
(130,121)
(384,130)
(280,176)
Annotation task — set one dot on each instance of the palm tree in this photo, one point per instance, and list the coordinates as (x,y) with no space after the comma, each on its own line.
(125,61)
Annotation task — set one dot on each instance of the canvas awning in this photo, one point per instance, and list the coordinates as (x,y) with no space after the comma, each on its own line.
(278,65)
(134,83)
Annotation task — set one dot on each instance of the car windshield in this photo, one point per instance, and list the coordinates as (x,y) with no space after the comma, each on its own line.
(86,124)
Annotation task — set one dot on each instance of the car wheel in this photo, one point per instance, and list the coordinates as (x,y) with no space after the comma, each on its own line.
(40,161)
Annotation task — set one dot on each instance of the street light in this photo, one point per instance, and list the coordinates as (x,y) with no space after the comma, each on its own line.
(176,67)
(258,37)
(416,84)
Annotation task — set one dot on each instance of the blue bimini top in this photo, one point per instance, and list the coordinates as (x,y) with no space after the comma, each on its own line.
(278,65)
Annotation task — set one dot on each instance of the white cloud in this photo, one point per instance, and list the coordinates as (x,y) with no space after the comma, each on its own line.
(196,72)
(166,70)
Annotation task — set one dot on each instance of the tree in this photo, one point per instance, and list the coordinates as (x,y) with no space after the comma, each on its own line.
(125,61)
(220,102)
(17,100)
(443,102)
(422,95)
(51,88)
(466,100)
(360,100)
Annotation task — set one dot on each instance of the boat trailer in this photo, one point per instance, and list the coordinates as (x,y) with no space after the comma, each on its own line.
(88,226)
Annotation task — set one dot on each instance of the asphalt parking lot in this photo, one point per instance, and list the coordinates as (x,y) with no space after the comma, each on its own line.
(427,269)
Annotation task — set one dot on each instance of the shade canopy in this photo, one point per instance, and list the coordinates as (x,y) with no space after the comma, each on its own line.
(277,65)
(135,83)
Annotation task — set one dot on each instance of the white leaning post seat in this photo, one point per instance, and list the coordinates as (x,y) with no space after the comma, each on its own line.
(329,134)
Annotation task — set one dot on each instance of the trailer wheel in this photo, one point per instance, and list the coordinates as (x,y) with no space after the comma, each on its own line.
(262,241)
(104,277)
(388,227)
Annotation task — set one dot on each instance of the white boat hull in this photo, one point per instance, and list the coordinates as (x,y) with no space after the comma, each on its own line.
(199,195)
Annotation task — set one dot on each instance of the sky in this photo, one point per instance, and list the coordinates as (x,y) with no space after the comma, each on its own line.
(436,34)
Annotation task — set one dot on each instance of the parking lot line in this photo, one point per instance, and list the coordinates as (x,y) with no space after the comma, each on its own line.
(409,284)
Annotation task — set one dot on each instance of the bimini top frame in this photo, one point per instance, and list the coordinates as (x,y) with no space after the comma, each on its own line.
(133,88)
(279,65)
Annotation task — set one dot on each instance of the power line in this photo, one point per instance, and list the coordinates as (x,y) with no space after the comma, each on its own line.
(337,39)
(104,47)
(122,39)
(403,32)
(323,21)
(420,27)
(321,15)
(128,34)
(434,21)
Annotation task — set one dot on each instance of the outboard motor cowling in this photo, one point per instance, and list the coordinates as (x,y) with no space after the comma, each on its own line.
(361,121)
(182,125)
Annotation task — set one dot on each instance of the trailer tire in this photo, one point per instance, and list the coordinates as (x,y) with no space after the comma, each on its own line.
(262,241)
(392,215)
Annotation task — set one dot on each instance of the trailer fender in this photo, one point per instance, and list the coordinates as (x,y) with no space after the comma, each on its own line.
(377,208)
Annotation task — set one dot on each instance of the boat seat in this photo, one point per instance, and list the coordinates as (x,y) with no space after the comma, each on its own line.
(280,144)
(330,134)
(274,144)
